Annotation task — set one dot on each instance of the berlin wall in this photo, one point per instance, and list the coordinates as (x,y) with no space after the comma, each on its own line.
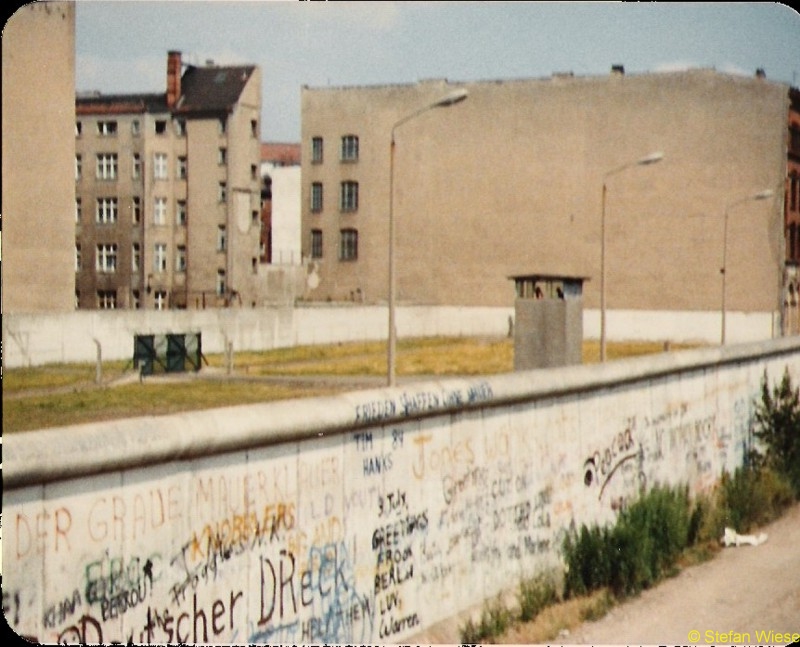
(37,339)
(362,517)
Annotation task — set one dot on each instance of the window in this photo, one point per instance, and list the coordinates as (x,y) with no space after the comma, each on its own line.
(78,210)
(180,127)
(254,127)
(348,245)
(136,210)
(349,148)
(136,257)
(223,192)
(136,299)
(136,127)
(106,299)
(349,196)
(106,166)
(316,197)
(136,170)
(160,300)
(106,258)
(160,257)
(253,172)
(182,168)
(160,166)
(160,211)
(180,212)
(106,128)
(316,243)
(180,259)
(221,126)
(222,156)
(78,128)
(106,211)
(161,126)
(316,150)
(220,282)
(78,167)
(77,257)
(222,241)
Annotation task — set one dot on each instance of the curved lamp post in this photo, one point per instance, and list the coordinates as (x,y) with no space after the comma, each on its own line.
(652,158)
(456,96)
(761,195)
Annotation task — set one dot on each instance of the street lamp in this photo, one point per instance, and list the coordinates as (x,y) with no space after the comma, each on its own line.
(761,195)
(652,158)
(456,96)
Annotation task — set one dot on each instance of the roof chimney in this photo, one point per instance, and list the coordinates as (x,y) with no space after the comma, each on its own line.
(618,69)
(173,78)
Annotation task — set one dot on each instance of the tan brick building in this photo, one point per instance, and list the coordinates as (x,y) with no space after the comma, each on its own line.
(510,181)
(38,153)
(167,192)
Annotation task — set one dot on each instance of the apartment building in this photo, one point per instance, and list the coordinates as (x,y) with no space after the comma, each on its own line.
(510,181)
(38,149)
(280,203)
(792,210)
(167,192)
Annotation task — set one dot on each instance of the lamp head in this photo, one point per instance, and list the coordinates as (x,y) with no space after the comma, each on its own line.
(652,158)
(456,96)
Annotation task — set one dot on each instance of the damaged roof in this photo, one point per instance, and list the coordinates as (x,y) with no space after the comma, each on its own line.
(212,89)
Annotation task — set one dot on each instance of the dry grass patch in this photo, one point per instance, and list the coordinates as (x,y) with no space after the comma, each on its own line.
(557,618)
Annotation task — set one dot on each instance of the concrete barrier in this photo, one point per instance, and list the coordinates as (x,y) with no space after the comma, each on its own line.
(37,339)
(364,517)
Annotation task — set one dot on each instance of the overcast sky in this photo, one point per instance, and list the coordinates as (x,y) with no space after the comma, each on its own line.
(121,45)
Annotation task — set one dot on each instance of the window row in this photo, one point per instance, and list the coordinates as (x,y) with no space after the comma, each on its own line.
(348,196)
(106,211)
(107,166)
(348,244)
(106,255)
(109,127)
(348,149)
(107,299)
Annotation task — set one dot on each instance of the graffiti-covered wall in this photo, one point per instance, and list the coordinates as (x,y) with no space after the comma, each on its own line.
(368,516)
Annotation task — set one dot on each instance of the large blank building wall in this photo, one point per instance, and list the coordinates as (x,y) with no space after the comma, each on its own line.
(511,178)
(39,159)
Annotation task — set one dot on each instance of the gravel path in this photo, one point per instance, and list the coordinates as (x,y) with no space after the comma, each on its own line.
(743,590)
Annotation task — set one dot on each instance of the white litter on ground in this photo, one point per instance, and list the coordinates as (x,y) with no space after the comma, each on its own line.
(733,538)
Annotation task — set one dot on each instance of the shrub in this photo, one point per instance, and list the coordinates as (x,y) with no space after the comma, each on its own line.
(639,550)
(495,619)
(750,497)
(777,428)
(535,594)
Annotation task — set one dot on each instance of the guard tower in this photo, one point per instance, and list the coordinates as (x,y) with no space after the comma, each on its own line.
(548,329)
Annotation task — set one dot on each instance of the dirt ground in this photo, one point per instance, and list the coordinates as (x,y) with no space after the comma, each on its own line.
(744,590)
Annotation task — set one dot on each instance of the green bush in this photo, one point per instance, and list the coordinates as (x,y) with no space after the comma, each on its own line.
(535,594)
(641,548)
(750,497)
(495,619)
(777,430)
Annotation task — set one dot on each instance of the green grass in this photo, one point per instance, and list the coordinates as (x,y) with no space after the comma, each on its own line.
(65,394)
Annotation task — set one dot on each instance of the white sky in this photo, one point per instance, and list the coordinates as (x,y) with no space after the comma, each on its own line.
(121,45)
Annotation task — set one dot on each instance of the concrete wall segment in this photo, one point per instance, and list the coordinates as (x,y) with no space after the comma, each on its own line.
(363,517)
(46,455)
